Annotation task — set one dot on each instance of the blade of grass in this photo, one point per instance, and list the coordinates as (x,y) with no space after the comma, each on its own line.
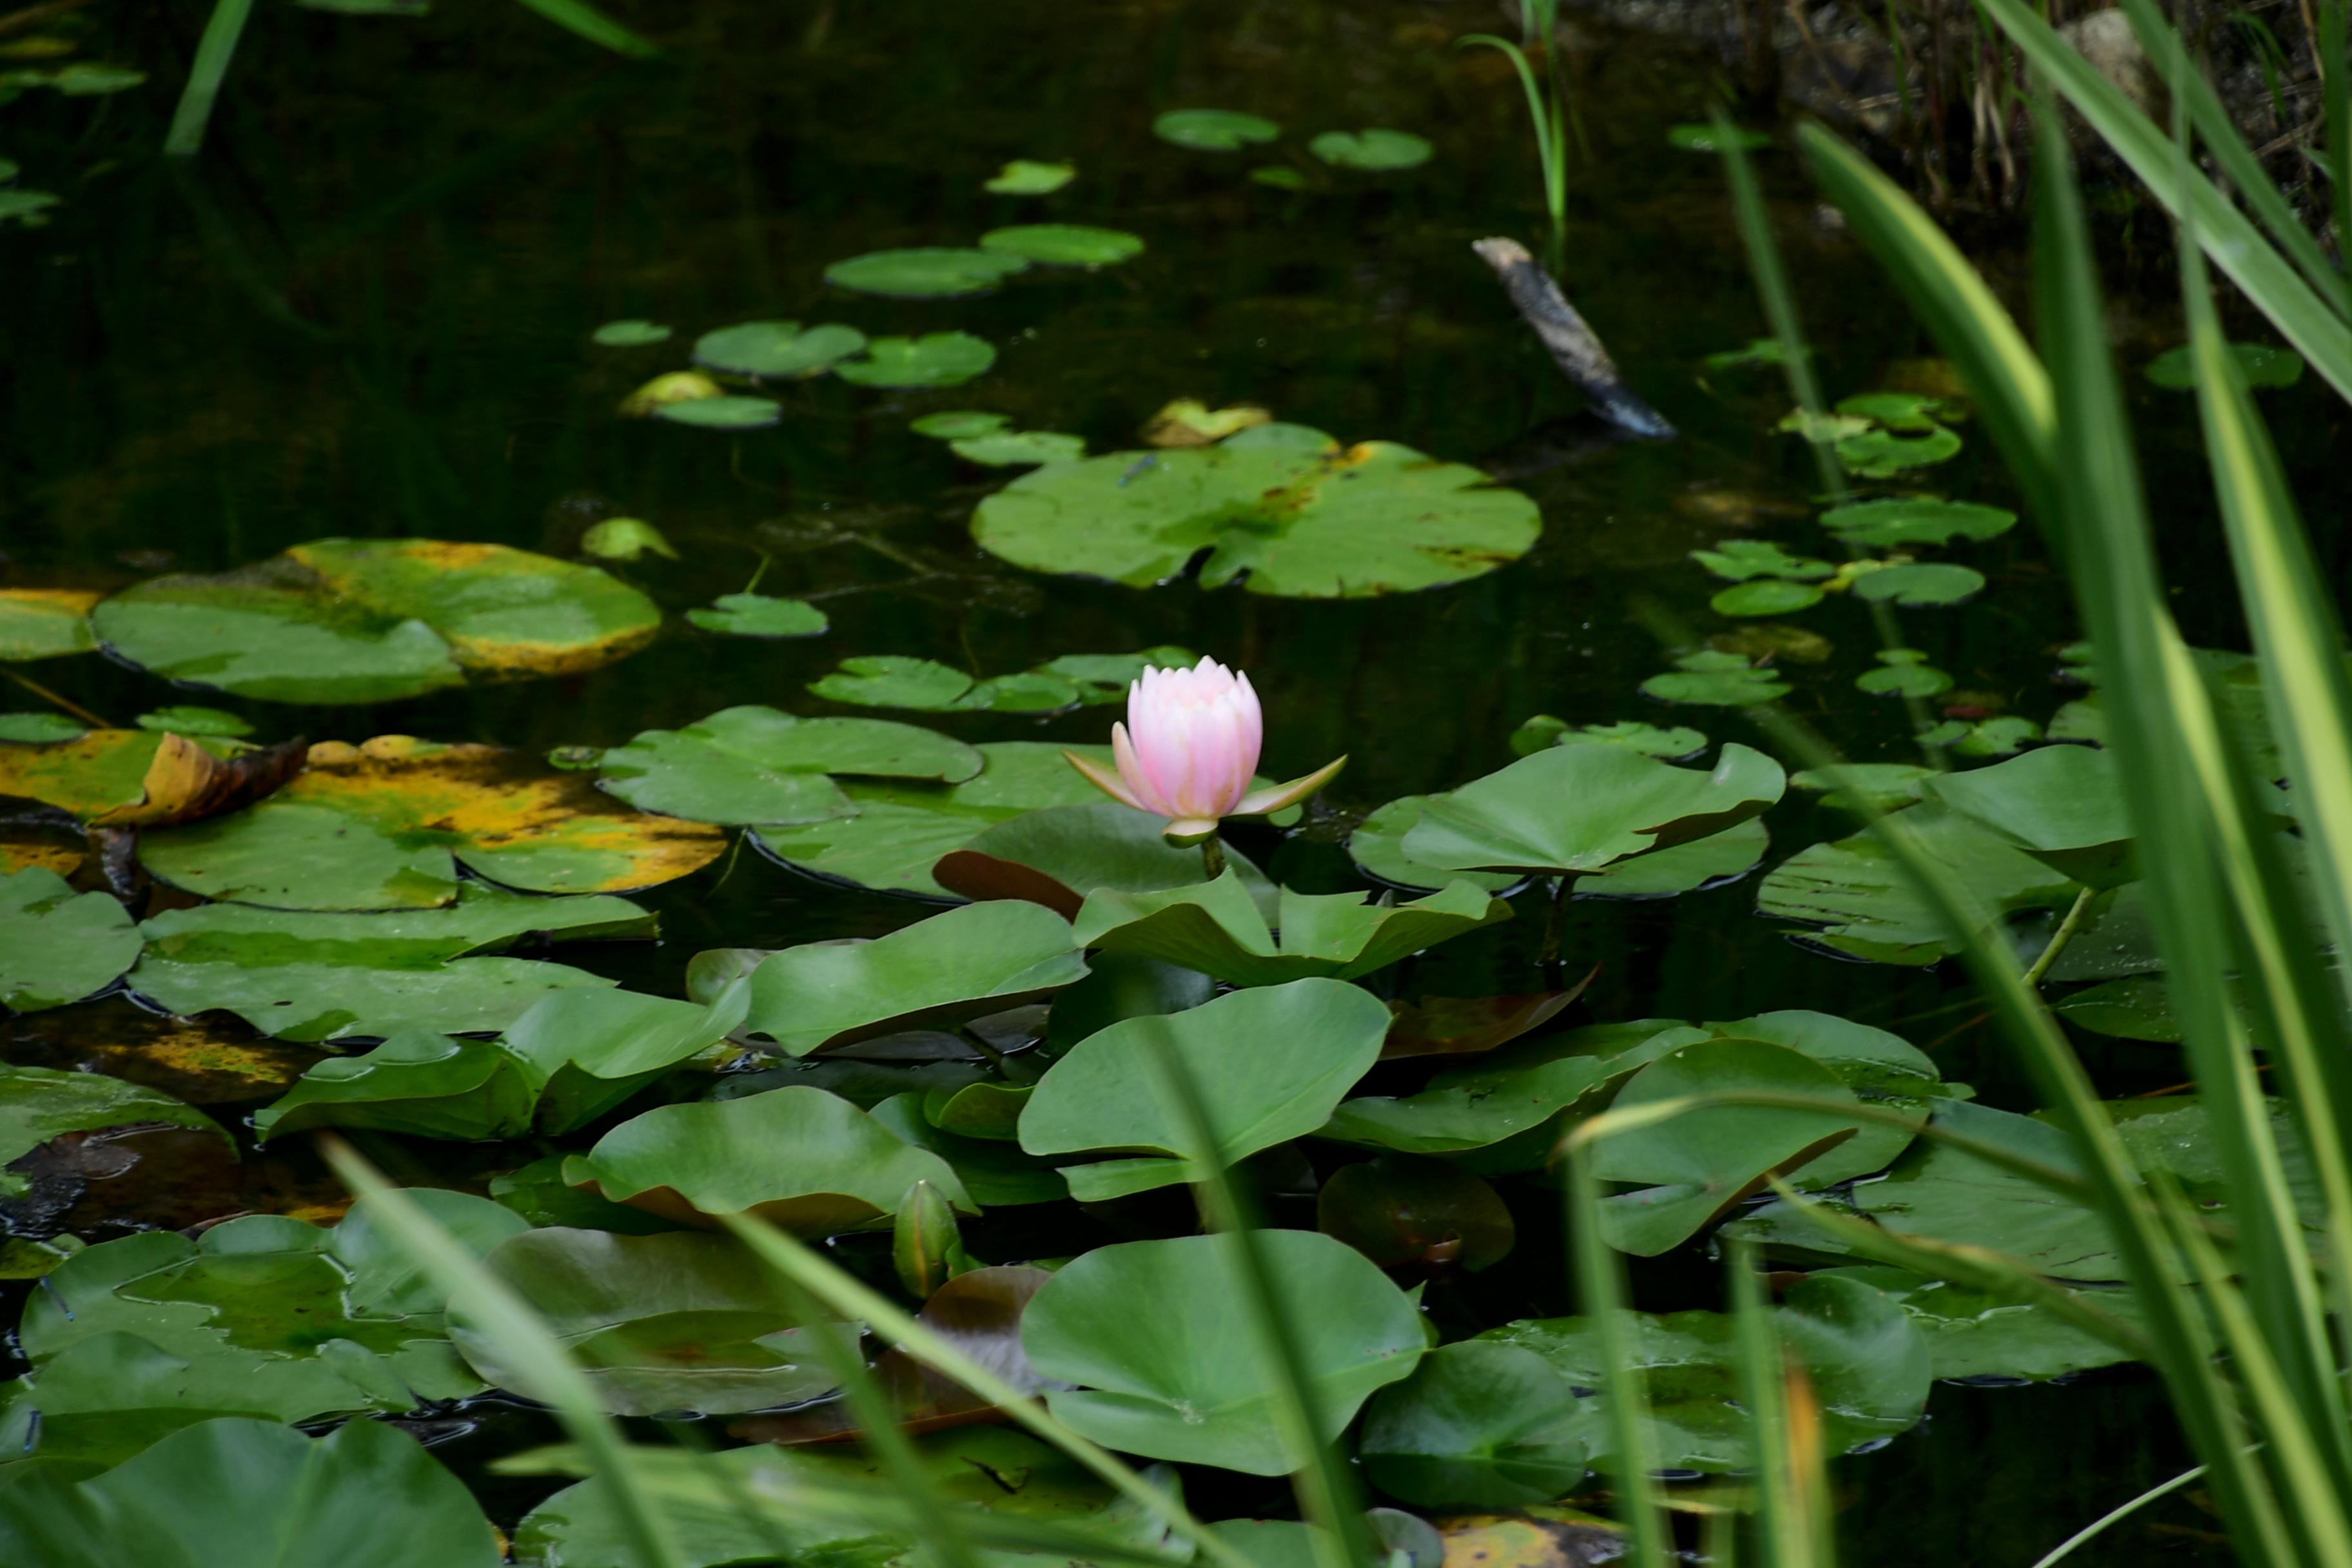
(524,1343)
(1763,1389)
(1601,1289)
(579,17)
(214,52)
(2099,1526)
(1326,1492)
(1550,147)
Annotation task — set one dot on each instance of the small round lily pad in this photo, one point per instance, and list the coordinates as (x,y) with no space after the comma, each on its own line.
(1213,130)
(936,359)
(1920,582)
(1063,244)
(1028,178)
(932,273)
(629,334)
(1370,150)
(723,413)
(776,349)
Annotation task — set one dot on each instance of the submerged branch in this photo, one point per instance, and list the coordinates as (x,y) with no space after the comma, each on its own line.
(1574,346)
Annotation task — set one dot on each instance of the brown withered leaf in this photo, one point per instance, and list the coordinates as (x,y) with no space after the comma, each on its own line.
(1468,1026)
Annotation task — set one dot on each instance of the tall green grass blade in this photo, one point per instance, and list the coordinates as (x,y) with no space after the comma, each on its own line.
(1550,141)
(1782,1519)
(2323,337)
(524,1343)
(851,1297)
(215,51)
(579,17)
(2194,95)
(2115,1516)
(1327,1491)
(1601,1290)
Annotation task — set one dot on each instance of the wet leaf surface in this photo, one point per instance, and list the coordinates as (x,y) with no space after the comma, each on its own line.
(760,766)
(1400,1210)
(57,945)
(1581,808)
(1476,1425)
(1219,929)
(44,623)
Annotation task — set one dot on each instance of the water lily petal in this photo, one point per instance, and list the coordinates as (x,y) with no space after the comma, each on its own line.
(1276,796)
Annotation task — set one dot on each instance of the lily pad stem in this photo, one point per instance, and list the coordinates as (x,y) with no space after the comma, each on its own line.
(1212,857)
(1555,928)
(2062,936)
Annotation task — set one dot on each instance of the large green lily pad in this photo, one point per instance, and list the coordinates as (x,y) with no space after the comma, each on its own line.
(386,824)
(1378,848)
(799,1158)
(1476,1425)
(57,945)
(1582,808)
(1974,1335)
(1314,521)
(1060,856)
(417,1083)
(980,959)
(754,764)
(37,1104)
(935,359)
(1867,1362)
(1169,1359)
(1219,929)
(1266,1064)
(239,1493)
(311,977)
(44,623)
(2062,804)
(349,620)
(678,1321)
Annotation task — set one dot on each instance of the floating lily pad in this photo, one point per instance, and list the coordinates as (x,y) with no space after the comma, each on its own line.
(1378,848)
(386,824)
(1971,1334)
(798,1158)
(416,1082)
(1060,855)
(1669,744)
(1915,520)
(354,621)
(1189,421)
(1476,1425)
(776,350)
(185,720)
(2262,364)
(1867,907)
(1740,560)
(1377,151)
(681,1321)
(758,615)
(896,681)
(1710,679)
(937,359)
(1513,1093)
(1301,521)
(957,423)
(584,1052)
(953,966)
(1268,1065)
(1701,863)
(1580,808)
(1867,1364)
(2135,1007)
(57,945)
(1029,177)
(233,1493)
(40,728)
(1019,449)
(629,334)
(44,623)
(1213,130)
(924,274)
(1766,596)
(142,778)
(1919,584)
(37,1104)
(1866,786)
(1902,672)
(1278,176)
(1401,1210)
(1218,929)
(1883,454)
(729,412)
(1911,412)
(308,977)
(1063,244)
(670,386)
(756,764)
(625,539)
(1157,1335)
(2062,804)
(1467,1026)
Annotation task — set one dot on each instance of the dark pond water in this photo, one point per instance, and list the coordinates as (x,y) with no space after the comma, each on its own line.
(366,312)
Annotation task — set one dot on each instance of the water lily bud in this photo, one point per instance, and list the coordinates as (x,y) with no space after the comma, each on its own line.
(1189,750)
(924,1242)
(676,386)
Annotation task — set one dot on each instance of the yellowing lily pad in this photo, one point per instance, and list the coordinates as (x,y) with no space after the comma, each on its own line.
(44,623)
(346,620)
(1294,514)
(132,778)
(385,826)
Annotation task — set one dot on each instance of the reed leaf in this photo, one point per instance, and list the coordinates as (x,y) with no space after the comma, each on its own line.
(214,52)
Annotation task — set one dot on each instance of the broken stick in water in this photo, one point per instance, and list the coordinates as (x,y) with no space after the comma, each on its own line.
(1572,343)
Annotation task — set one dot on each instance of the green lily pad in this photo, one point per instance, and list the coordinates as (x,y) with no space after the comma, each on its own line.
(40,728)
(754,764)
(957,423)
(1920,583)
(680,1322)
(1974,1335)
(1915,520)
(1580,808)
(2135,1007)
(1278,176)
(1515,1091)
(386,824)
(1883,454)
(896,681)
(2062,804)
(1740,560)
(1476,1425)
(537,1192)
(629,334)
(995,1172)
(1217,928)
(233,1493)
(1155,1333)
(1378,848)
(1766,596)
(417,1083)
(1020,449)
(1029,177)
(184,720)
(357,621)
(1213,130)
(758,615)
(1063,244)
(727,412)
(625,539)
(1867,1362)
(924,274)
(1404,1209)
(776,350)
(1866,786)
(37,1104)
(1268,1065)
(1866,906)
(309,976)
(1672,744)
(2262,364)
(1689,867)
(1902,672)
(584,1052)
(1711,679)
(1911,412)
(1060,856)
(936,359)
(57,945)
(960,965)
(44,623)
(801,1159)
(1374,150)
(1319,522)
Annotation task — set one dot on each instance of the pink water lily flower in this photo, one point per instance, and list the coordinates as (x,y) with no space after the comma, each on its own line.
(1189,750)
